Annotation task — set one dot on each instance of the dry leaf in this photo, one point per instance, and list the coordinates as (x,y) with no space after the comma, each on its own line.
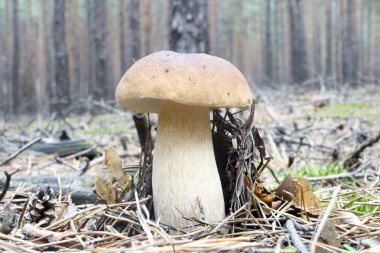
(297,189)
(306,197)
(328,236)
(115,170)
(104,190)
(263,194)
(117,183)
(287,189)
(260,191)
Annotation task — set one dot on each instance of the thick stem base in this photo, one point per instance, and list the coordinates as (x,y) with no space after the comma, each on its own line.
(185,178)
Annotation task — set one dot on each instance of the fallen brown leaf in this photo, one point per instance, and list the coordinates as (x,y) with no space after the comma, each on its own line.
(298,189)
(104,190)
(306,198)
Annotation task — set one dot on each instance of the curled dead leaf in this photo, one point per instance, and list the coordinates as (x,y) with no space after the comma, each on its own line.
(260,191)
(306,198)
(103,190)
(115,170)
(263,194)
(298,189)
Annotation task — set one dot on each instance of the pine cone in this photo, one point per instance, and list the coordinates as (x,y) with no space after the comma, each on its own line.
(41,207)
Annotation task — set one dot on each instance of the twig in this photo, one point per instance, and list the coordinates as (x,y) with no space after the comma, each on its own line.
(143,129)
(8,178)
(34,232)
(296,239)
(325,217)
(345,175)
(348,161)
(304,228)
(62,161)
(21,218)
(14,155)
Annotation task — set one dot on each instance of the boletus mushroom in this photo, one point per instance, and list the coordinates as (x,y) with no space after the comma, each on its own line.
(183,88)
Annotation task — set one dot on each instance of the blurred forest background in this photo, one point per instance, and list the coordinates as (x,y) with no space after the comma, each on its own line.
(55,53)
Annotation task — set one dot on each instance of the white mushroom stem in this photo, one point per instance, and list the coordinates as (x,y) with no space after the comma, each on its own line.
(185,178)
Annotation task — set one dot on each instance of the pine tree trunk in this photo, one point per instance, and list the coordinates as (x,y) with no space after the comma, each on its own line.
(62,85)
(73,47)
(134,27)
(101,49)
(90,48)
(50,94)
(123,37)
(298,51)
(28,90)
(267,45)
(147,26)
(279,39)
(189,26)
(15,60)
(350,55)
(316,43)
(2,66)
(329,39)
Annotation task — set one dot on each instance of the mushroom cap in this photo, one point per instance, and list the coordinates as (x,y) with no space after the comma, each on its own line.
(191,79)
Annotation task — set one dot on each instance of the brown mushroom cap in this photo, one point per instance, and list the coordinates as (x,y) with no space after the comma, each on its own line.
(192,79)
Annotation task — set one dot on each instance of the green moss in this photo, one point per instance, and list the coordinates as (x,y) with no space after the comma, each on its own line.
(360,203)
(349,248)
(317,171)
(29,128)
(349,109)
(110,129)
(105,117)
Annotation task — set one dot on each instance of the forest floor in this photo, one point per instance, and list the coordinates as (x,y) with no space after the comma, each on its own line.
(331,138)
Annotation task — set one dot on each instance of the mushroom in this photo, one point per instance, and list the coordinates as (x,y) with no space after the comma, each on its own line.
(183,88)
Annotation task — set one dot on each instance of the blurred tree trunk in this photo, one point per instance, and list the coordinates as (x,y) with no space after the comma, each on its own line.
(329,41)
(267,45)
(316,41)
(338,39)
(147,26)
(27,65)
(213,10)
(229,30)
(350,50)
(279,38)
(370,21)
(298,51)
(220,35)
(62,95)
(15,60)
(134,27)
(239,34)
(189,26)
(376,50)
(3,83)
(40,61)
(73,48)
(90,48)
(102,82)
(48,52)
(364,41)
(123,37)
(7,46)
